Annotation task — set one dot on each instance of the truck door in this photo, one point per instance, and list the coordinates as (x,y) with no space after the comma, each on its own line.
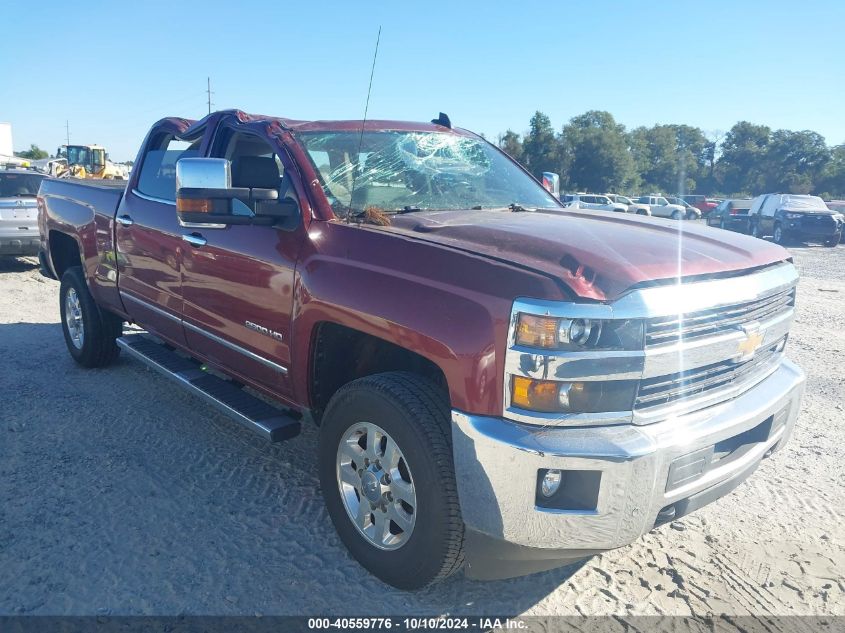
(149,241)
(238,281)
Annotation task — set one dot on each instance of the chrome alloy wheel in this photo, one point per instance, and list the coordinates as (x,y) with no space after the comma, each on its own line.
(73,319)
(376,486)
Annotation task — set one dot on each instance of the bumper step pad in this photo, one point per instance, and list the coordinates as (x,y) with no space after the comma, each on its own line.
(254,413)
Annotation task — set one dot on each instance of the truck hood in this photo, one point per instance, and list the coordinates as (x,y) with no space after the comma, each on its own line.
(598,255)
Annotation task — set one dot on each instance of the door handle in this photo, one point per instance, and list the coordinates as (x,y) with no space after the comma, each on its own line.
(125,220)
(195,239)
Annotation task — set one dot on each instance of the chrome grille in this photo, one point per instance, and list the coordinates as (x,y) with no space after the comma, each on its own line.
(663,390)
(676,328)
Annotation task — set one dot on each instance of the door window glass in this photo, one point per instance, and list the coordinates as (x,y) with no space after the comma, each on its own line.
(158,171)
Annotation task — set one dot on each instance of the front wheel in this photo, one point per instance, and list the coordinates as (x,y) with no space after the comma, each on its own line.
(388,479)
(677,215)
(89,332)
(755,230)
(833,241)
(779,236)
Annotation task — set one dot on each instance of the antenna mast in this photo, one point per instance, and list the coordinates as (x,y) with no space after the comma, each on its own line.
(208,90)
(67,131)
(363,122)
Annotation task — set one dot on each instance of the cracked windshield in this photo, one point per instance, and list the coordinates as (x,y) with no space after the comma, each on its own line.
(397,172)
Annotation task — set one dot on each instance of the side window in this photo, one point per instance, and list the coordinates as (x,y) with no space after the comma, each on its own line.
(157,178)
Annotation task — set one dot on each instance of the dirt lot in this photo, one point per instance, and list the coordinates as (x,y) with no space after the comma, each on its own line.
(120,494)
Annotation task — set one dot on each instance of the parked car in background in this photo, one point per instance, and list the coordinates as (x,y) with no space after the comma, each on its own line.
(836,205)
(662,208)
(792,216)
(692,213)
(19,212)
(591,201)
(631,206)
(731,215)
(703,204)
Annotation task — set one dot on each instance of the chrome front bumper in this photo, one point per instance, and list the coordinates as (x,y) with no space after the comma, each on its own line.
(497,463)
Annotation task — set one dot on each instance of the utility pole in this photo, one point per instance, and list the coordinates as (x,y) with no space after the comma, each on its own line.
(208,90)
(67,131)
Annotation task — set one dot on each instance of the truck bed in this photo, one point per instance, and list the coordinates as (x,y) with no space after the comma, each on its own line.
(74,201)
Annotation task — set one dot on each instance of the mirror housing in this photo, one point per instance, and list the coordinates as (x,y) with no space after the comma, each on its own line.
(551,182)
(205,196)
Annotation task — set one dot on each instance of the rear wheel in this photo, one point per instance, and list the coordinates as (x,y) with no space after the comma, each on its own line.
(755,230)
(387,475)
(677,215)
(833,241)
(90,333)
(779,236)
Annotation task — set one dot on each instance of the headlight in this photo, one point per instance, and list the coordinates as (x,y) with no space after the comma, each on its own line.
(792,216)
(578,334)
(550,396)
(838,217)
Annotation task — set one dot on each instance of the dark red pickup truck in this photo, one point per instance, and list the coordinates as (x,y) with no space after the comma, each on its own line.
(500,383)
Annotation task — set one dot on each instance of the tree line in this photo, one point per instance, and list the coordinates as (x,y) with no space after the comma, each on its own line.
(594,153)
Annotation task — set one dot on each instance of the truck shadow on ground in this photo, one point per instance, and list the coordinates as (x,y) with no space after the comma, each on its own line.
(17,264)
(150,502)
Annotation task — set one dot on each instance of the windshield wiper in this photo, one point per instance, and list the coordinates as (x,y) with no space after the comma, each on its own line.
(408,209)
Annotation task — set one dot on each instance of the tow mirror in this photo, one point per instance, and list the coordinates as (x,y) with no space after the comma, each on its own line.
(204,195)
(551,182)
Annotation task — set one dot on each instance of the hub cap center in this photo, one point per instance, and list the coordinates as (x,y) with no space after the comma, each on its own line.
(371,486)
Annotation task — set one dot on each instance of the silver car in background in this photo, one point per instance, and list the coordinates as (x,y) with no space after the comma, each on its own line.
(592,201)
(19,212)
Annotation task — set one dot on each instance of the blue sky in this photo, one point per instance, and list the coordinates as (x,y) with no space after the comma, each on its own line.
(112,68)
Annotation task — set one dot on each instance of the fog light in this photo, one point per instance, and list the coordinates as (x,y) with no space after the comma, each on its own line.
(550,483)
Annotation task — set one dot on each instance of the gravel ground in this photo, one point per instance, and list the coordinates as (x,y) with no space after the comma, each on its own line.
(120,494)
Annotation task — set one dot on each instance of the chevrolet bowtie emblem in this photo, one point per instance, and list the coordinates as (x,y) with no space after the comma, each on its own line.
(751,343)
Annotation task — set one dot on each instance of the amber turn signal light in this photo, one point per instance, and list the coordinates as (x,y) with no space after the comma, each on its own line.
(536,395)
(193,205)
(537,331)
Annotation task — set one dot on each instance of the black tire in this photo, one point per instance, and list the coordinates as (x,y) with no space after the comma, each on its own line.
(677,215)
(416,415)
(691,215)
(833,241)
(100,328)
(642,212)
(755,230)
(779,235)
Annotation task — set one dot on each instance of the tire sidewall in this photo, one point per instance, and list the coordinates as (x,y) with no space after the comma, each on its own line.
(421,556)
(779,237)
(90,318)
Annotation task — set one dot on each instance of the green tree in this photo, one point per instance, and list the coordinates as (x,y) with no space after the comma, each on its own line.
(33,153)
(832,179)
(595,150)
(540,150)
(741,165)
(511,144)
(670,158)
(795,161)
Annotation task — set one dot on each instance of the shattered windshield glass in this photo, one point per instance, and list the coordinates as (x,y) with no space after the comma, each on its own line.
(397,171)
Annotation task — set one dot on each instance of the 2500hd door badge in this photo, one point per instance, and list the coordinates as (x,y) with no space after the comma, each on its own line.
(264,330)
